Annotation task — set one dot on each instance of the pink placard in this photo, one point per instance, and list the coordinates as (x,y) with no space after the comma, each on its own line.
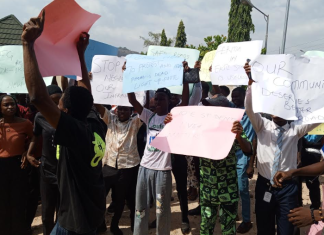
(199,131)
(56,48)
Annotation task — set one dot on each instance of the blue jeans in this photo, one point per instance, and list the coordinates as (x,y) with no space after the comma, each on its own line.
(156,184)
(243,183)
(58,230)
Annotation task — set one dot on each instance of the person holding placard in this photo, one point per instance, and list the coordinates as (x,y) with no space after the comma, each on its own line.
(179,162)
(277,151)
(154,176)
(218,181)
(121,159)
(81,147)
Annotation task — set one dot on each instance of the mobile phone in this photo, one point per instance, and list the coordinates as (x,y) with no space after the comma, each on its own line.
(249,74)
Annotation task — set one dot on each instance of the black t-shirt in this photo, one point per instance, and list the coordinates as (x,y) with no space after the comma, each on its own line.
(81,185)
(48,159)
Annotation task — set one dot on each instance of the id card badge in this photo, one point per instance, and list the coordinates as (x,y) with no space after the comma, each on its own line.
(267,197)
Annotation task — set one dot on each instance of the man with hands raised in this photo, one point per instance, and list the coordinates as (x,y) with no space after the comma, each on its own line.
(81,148)
(276,150)
(218,181)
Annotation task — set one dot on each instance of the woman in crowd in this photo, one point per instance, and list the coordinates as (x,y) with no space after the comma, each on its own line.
(15,135)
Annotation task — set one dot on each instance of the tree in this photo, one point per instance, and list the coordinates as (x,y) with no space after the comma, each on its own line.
(164,39)
(240,22)
(181,39)
(153,40)
(212,43)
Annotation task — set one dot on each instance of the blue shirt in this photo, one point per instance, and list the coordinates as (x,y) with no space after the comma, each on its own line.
(249,131)
(313,138)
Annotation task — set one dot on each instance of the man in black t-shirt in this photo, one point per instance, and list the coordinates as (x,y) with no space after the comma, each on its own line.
(80,146)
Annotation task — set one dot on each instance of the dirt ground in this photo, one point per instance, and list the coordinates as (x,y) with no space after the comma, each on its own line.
(176,215)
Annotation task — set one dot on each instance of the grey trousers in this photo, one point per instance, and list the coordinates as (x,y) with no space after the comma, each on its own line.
(156,184)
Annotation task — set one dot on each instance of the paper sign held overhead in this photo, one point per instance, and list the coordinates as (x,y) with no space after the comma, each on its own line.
(318,130)
(107,81)
(205,65)
(227,67)
(12,78)
(189,55)
(55,49)
(206,127)
(289,87)
(151,72)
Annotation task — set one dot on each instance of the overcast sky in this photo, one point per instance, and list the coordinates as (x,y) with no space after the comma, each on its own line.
(123,21)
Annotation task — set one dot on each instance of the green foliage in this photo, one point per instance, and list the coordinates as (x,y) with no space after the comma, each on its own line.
(240,22)
(181,39)
(264,51)
(154,39)
(212,43)
(170,42)
(164,39)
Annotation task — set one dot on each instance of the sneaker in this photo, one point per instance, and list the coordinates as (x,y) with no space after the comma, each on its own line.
(152,225)
(196,211)
(185,228)
(111,208)
(244,227)
(116,231)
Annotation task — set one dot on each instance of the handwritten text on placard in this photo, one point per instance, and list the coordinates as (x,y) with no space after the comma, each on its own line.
(152,72)
(107,82)
(206,127)
(289,87)
(12,78)
(189,55)
(227,68)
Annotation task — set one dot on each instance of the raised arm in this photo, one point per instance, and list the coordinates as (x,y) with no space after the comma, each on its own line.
(245,145)
(137,106)
(85,82)
(255,118)
(147,100)
(185,89)
(196,95)
(35,84)
(82,47)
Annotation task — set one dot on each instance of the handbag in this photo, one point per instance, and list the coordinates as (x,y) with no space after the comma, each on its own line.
(317,229)
(192,76)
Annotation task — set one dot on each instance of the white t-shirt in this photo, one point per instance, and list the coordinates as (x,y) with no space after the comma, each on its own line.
(153,158)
